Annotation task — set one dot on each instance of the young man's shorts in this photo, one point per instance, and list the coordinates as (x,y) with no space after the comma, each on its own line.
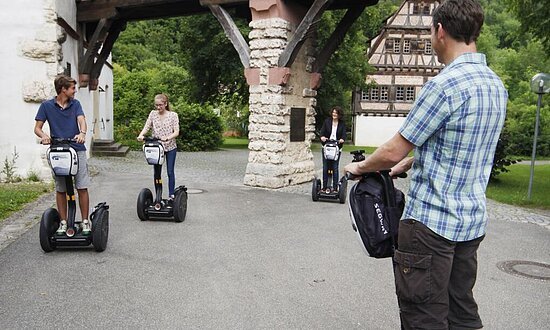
(81,179)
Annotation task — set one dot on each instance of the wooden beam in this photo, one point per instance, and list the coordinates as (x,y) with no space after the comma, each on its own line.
(208,3)
(112,36)
(337,36)
(94,44)
(233,33)
(310,19)
(94,14)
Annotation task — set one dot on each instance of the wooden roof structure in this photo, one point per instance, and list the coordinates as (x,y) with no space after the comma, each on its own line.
(100,22)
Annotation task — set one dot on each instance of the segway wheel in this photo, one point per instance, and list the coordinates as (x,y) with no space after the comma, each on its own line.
(48,226)
(180,205)
(100,229)
(145,198)
(315,187)
(343,190)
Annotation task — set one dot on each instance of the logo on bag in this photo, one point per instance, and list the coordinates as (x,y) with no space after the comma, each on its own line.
(380,217)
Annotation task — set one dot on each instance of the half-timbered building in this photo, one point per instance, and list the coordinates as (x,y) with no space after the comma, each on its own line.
(403,60)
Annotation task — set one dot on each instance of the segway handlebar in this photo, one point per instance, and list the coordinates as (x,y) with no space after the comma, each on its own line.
(151,139)
(351,176)
(57,141)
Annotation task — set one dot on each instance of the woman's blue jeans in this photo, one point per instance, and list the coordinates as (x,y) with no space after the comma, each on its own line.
(170,163)
(328,164)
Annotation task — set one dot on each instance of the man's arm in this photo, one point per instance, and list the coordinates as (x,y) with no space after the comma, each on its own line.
(44,138)
(385,157)
(81,137)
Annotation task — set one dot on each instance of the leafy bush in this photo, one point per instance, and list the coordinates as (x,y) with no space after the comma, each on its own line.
(234,112)
(127,134)
(200,128)
(502,152)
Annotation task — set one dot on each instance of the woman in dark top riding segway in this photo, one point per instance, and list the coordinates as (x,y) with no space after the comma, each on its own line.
(333,129)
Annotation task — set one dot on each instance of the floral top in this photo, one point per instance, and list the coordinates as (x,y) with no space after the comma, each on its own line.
(162,127)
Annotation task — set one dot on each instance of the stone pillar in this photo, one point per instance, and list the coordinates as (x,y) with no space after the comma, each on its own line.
(274,161)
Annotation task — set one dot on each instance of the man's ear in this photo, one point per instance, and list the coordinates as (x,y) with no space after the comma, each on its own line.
(440,31)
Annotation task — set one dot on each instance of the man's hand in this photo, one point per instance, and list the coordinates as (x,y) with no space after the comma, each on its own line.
(45,139)
(353,169)
(80,138)
(402,167)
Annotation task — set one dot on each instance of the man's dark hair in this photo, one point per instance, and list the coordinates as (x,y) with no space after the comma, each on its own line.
(63,81)
(462,19)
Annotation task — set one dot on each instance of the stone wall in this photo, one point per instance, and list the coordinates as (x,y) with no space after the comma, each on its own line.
(274,161)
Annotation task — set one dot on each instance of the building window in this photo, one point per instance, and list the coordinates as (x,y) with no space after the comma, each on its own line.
(383,93)
(365,95)
(399,93)
(396,46)
(410,94)
(415,9)
(426,10)
(406,46)
(374,94)
(428,47)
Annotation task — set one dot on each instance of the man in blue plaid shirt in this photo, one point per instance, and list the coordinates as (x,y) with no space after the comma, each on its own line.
(453,127)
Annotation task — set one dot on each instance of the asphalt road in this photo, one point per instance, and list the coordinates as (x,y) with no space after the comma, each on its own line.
(244,258)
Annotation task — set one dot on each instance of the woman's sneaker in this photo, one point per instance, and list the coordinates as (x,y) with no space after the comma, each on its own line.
(86,227)
(62,228)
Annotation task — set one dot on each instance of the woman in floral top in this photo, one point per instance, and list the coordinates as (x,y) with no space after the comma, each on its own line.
(166,127)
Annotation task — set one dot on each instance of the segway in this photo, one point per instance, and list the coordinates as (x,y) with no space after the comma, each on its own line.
(63,160)
(159,208)
(331,152)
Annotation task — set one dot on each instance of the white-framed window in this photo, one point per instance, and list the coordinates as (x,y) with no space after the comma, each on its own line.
(399,93)
(384,93)
(406,46)
(396,45)
(374,94)
(428,47)
(365,95)
(426,10)
(409,96)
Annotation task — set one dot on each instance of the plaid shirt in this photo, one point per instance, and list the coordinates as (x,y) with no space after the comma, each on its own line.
(454,124)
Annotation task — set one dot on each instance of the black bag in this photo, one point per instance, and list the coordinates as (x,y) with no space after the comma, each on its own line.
(375,207)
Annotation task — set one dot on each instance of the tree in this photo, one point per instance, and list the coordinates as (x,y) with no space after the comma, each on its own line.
(534,16)
(348,66)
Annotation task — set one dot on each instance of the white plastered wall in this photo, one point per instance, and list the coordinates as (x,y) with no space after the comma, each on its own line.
(372,131)
(31,58)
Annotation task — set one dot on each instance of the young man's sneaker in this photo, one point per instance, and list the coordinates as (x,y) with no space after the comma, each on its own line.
(86,227)
(62,228)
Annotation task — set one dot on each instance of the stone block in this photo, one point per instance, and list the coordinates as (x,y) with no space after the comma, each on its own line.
(270,23)
(273,99)
(259,44)
(307,92)
(37,91)
(258,135)
(39,50)
(261,181)
(264,156)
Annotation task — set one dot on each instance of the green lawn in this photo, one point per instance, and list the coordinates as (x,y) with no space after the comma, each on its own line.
(14,196)
(511,187)
(234,143)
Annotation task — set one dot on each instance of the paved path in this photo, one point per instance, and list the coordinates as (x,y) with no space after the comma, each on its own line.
(245,258)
